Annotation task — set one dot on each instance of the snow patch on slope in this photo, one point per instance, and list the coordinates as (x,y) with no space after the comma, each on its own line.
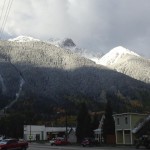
(113,55)
(20,88)
(23,39)
(17,94)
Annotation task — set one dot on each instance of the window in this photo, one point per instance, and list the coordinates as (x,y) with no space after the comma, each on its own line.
(118,121)
(126,120)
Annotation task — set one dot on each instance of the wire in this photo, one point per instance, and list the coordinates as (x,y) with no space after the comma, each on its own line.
(2,11)
(2,21)
(5,17)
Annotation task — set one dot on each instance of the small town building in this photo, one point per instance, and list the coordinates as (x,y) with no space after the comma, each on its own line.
(124,124)
(41,132)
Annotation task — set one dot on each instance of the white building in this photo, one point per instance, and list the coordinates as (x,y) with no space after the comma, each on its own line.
(98,132)
(41,132)
(34,132)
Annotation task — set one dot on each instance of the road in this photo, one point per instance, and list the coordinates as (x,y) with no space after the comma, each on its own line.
(48,147)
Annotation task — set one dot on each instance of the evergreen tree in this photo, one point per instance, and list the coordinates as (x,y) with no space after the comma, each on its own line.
(95,123)
(83,123)
(109,123)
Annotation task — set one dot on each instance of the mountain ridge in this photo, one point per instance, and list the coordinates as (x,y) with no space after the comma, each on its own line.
(113,55)
(127,62)
(119,58)
(50,72)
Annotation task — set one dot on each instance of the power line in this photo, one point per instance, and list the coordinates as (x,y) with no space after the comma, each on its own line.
(2,11)
(5,17)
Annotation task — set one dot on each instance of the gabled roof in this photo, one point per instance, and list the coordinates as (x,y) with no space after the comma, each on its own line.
(141,124)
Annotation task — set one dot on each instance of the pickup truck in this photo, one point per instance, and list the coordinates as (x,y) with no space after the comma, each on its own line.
(8,144)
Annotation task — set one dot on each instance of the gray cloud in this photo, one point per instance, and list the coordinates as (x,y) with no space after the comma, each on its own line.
(98,25)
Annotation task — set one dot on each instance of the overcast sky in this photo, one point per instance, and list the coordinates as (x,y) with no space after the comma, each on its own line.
(98,25)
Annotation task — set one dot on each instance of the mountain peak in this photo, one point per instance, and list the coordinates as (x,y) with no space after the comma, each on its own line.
(23,39)
(113,55)
(67,42)
(122,50)
(64,43)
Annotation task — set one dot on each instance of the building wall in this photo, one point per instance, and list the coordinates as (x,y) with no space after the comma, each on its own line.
(122,122)
(35,132)
(32,132)
(98,135)
(135,119)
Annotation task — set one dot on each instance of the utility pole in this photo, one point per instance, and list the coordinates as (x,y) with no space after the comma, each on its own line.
(30,133)
(66,123)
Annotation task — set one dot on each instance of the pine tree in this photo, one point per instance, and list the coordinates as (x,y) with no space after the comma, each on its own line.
(94,124)
(83,123)
(109,123)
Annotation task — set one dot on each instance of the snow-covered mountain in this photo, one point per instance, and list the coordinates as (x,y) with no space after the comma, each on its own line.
(42,70)
(114,55)
(23,39)
(120,59)
(127,62)
(66,43)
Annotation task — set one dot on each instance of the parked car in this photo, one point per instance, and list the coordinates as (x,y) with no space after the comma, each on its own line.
(1,137)
(52,141)
(89,142)
(60,141)
(8,144)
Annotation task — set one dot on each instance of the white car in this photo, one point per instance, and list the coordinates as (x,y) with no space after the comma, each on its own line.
(52,141)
